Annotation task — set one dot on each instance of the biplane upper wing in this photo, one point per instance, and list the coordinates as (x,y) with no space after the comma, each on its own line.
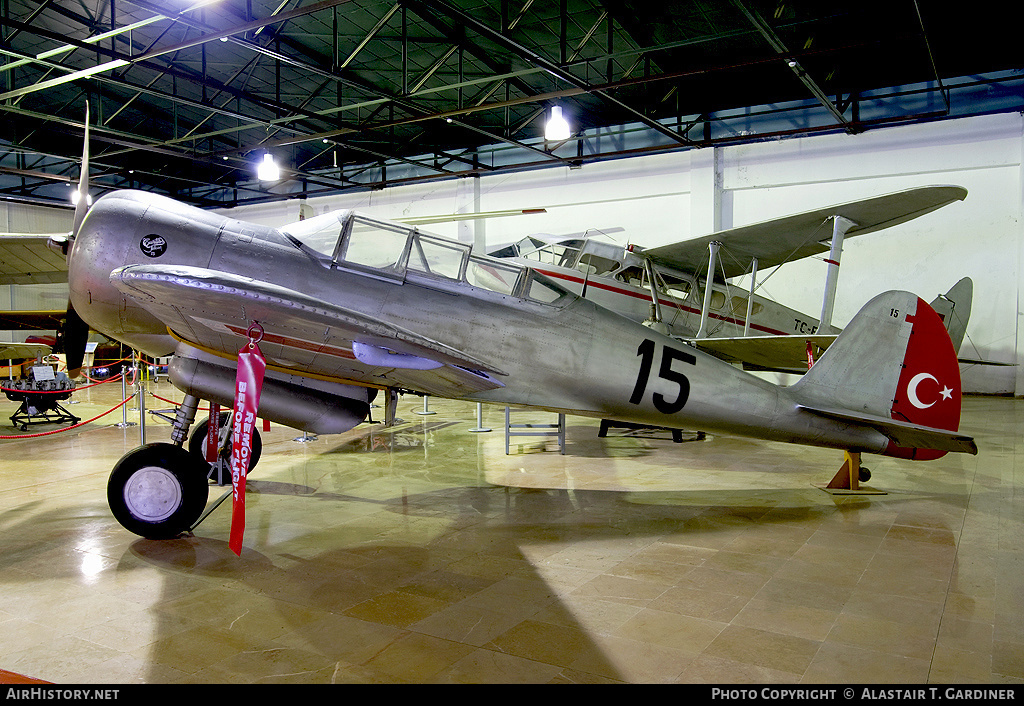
(794,237)
(426,220)
(302,334)
(26,259)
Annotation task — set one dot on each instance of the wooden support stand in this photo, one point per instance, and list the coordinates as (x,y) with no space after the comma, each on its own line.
(847,480)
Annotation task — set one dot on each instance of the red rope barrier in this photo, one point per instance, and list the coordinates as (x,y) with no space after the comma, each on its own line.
(73,426)
(176,404)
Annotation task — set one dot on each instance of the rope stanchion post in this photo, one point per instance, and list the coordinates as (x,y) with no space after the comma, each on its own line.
(141,396)
(124,409)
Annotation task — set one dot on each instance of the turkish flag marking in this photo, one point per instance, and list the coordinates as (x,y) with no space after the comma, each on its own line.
(248,385)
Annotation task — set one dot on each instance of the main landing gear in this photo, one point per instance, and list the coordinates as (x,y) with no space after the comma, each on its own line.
(160,490)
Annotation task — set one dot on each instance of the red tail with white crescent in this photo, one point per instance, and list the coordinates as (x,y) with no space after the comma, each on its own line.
(928,391)
(894,369)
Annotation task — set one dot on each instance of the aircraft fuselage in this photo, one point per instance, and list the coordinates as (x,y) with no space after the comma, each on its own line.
(543,346)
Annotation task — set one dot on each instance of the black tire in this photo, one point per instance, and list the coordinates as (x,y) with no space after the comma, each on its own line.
(197,440)
(157,491)
(864,475)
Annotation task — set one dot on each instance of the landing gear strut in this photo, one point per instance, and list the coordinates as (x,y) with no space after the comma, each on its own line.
(220,470)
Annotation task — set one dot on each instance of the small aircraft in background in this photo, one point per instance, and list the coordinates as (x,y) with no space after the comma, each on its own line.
(19,352)
(35,347)
(683,289)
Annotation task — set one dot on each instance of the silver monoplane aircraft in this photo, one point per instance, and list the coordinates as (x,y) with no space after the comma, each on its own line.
(350,305)
(683,289)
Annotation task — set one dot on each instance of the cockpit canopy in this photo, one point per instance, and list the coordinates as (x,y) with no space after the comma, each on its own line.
(378,247)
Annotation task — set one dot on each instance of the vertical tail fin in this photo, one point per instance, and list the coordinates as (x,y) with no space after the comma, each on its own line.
(895,361)
(954,308)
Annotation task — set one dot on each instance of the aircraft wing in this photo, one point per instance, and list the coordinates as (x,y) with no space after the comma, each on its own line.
(25,259)
(780,353)
(794,237)
(302,334)
(904,434)
(41,320)
(23,351)
(426,220)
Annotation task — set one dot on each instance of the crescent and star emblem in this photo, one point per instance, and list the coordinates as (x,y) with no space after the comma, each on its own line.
(946,392)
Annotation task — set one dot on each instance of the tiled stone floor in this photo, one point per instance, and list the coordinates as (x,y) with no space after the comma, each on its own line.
(423,553)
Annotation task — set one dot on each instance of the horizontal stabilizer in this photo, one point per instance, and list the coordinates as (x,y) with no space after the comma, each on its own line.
(978,361)
(904,434)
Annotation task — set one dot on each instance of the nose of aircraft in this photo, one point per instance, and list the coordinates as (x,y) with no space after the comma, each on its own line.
(124,228)
(99,246)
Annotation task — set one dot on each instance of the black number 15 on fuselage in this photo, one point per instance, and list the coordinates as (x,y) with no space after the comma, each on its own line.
(668,356)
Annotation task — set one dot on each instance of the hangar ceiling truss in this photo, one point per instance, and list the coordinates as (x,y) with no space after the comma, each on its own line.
(186,95)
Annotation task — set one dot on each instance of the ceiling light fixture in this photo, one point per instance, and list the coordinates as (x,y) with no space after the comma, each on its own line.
(268,169)
(557,128)
(76,197)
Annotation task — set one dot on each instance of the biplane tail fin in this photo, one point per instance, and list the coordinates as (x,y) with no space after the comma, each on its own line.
(893,368)
(954,308)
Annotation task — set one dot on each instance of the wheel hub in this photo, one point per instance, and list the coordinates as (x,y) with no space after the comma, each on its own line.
(152,494)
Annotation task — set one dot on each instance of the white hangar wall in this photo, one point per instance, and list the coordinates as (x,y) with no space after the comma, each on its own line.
(658,199)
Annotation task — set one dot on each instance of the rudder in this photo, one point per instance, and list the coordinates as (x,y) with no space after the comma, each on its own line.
(894,360)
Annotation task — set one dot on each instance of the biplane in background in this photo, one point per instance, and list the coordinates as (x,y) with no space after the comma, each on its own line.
(683,289)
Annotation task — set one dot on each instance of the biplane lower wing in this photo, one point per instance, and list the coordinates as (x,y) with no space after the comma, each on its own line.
(23,351)
(778,353)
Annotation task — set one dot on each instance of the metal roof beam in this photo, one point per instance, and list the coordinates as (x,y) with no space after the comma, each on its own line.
(781,49)
(552,68)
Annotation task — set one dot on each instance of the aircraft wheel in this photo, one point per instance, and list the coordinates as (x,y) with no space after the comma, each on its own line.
(864,475)
(157,491)
(197,440)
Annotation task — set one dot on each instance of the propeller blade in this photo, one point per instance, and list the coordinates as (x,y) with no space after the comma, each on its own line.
(72,336)
(82,205)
